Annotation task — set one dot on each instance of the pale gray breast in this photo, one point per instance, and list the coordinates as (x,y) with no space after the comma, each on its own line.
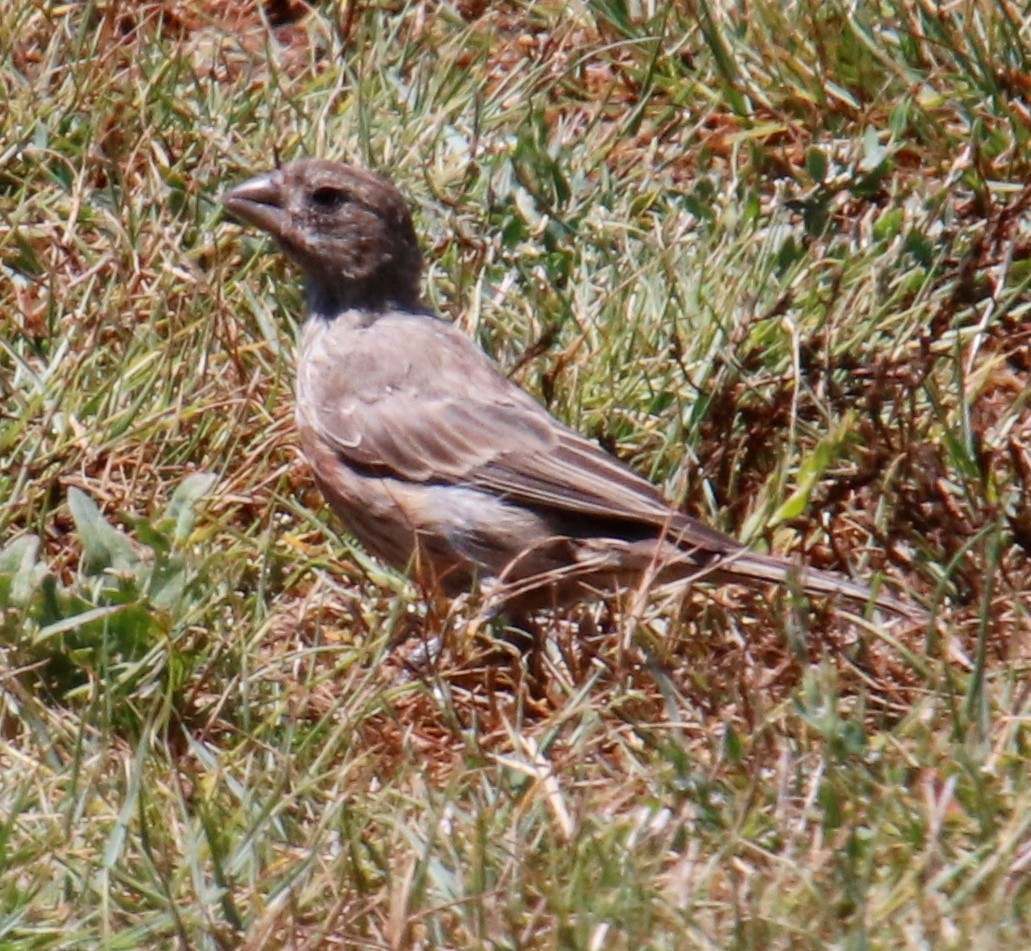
(341,365)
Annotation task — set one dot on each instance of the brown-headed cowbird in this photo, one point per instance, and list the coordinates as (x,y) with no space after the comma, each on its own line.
(434,460)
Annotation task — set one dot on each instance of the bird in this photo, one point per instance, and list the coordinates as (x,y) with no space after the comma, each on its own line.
(437,462)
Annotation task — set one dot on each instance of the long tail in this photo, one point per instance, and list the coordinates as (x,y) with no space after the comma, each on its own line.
(747,564)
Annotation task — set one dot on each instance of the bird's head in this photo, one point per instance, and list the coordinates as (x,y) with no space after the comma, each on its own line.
(350,231)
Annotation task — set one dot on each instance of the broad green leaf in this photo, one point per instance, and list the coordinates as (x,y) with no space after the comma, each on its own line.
(182,508)
(103,546)
(18,570)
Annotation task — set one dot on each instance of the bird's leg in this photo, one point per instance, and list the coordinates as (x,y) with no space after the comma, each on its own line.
(520,632)
(519,640)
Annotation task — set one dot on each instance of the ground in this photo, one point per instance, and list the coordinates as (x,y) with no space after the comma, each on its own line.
(776,257)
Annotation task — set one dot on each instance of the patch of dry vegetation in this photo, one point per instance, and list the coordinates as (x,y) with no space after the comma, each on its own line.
(775,257)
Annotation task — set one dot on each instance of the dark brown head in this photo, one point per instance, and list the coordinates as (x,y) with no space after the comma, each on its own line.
(350,232)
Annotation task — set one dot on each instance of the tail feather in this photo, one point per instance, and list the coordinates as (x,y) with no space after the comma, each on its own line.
(747,564)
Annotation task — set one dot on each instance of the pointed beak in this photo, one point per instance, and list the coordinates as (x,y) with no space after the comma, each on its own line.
(259,201)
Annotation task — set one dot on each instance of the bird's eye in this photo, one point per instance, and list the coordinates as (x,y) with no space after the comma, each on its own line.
(329,198)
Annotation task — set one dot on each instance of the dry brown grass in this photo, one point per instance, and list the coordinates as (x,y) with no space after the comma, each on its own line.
(776,259)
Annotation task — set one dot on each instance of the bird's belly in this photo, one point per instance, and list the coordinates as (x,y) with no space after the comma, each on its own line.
(445,535)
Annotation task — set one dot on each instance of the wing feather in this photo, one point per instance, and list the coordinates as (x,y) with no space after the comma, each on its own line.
(453,418)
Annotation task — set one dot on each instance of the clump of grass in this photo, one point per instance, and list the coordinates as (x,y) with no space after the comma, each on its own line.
(778,264)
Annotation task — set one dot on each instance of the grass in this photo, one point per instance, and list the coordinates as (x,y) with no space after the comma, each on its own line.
(776,258)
